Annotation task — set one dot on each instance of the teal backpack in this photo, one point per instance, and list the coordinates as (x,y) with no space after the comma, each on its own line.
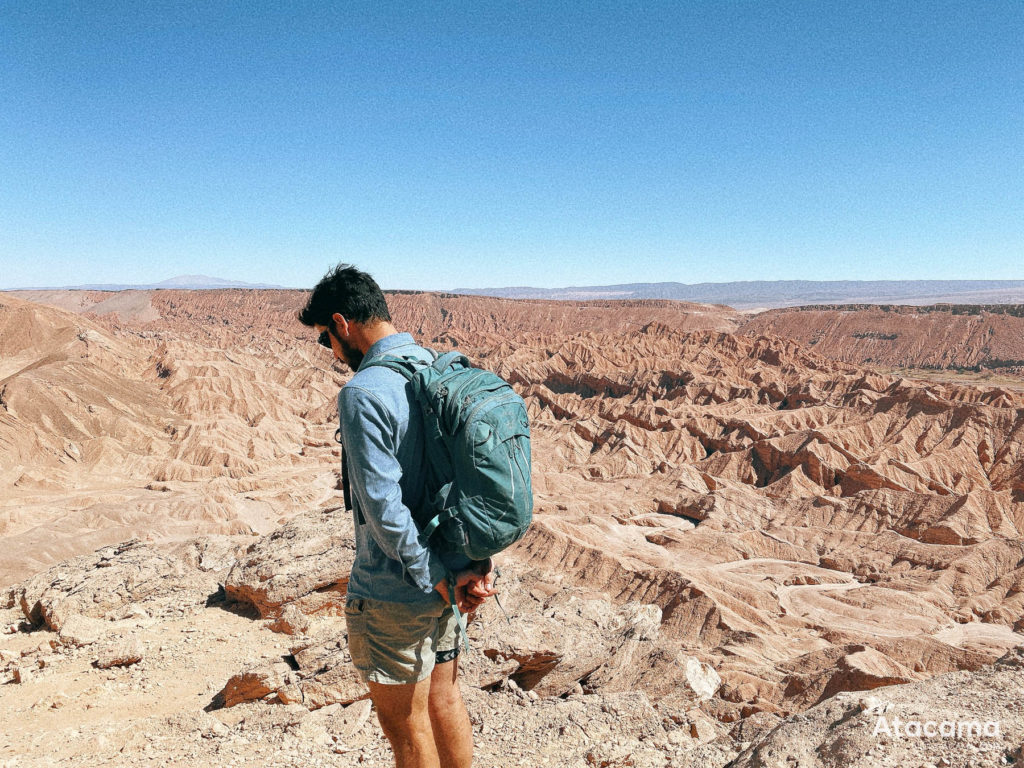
(479,499)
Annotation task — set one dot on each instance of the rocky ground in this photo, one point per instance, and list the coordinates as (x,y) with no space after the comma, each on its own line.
(137,655)
(134,656)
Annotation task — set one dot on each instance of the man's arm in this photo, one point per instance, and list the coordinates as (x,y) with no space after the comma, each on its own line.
(374,474)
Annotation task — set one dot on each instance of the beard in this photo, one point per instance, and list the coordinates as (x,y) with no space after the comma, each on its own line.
(351,355)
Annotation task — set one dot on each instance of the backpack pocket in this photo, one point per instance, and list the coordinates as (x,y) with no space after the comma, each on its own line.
(495,494)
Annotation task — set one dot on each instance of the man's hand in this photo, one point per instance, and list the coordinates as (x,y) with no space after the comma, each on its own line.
(474,585)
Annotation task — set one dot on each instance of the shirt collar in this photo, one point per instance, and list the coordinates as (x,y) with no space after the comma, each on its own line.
(385,345)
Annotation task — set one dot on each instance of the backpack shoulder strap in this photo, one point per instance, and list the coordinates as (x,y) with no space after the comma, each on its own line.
(407,366)
(449,360)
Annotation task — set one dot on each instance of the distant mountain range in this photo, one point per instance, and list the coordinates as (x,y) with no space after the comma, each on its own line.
(765,294)
(757,294)
(181,283)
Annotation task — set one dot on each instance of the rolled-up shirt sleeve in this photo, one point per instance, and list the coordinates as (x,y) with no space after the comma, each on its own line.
(368,434)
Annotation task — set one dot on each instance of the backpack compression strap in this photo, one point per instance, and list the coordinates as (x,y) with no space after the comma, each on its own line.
(459,618)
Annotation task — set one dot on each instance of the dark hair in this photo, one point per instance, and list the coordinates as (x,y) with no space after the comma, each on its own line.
(346,290)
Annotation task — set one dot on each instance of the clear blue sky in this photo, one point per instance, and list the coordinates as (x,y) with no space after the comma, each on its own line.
(484,144)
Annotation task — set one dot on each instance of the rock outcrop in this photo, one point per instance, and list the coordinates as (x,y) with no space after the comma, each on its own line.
(109,583)
(305,563)
(960,720)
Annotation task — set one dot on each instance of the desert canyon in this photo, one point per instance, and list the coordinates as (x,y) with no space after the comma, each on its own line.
(753,535)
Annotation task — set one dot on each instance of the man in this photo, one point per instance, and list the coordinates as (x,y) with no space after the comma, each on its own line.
(402,633)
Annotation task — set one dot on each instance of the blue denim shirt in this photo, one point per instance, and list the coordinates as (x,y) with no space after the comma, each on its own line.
(382,434)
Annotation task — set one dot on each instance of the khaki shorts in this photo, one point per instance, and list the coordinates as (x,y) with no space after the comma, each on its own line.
(398,643)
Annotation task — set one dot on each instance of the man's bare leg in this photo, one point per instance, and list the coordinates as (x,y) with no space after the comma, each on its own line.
(453,733)
(403,714)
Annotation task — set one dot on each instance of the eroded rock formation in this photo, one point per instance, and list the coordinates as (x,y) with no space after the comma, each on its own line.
(943,337)
(730,528)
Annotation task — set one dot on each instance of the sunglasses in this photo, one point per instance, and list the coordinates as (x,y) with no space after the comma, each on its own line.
(324,339)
